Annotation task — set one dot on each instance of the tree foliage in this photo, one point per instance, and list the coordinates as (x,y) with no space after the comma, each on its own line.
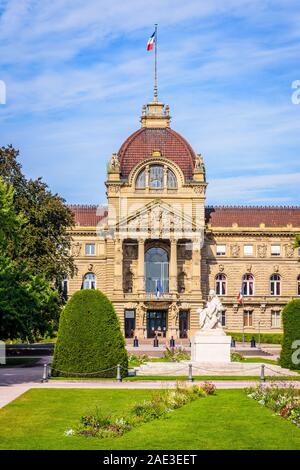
(46,239)
(34,251)
(89,338)
(28,304)
(291,335)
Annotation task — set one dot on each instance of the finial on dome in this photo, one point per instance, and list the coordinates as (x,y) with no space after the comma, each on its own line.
(155,115)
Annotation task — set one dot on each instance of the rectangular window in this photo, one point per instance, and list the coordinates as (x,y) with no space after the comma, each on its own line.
(275,250)
(275,319)
(248,250)
(90,249)
(248,318)
(221,250)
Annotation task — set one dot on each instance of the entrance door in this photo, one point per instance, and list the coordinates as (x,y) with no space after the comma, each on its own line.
(156,323)
(183,323)
(129,323)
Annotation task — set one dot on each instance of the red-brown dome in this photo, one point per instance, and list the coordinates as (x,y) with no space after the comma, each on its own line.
(140,145)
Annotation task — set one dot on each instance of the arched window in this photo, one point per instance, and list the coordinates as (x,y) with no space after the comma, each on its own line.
(156,178)
(275,284)
(141,180)
(248,284)
(89,281)
(298,285)
(171,180)
(221,284)
(157,271)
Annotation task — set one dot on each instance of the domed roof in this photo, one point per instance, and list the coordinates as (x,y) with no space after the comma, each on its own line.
(155,135)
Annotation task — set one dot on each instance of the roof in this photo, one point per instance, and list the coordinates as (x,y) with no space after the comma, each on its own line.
(140,145)
(216,216)
(247,216)
(88,215)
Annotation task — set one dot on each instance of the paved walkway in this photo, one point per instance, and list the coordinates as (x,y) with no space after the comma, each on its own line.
(11,392)
(14,381)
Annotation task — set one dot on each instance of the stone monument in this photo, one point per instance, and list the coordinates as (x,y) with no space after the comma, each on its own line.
(210,343)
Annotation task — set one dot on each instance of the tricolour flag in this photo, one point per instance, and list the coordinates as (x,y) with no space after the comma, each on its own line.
(151,42)
(159,289)
(240,297)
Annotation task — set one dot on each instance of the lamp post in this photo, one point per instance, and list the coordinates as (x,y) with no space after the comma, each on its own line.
(259,333)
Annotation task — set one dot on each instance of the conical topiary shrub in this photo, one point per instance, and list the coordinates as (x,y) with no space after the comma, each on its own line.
(290,355)
(89,338)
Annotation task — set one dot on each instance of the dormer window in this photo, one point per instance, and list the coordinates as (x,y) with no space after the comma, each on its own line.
(156,177)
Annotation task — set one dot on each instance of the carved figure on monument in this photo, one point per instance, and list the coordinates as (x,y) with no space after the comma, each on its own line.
(262,250)
(199,162)
(235,250)
(75,249)
(289,250)
(210,317)
(114,162)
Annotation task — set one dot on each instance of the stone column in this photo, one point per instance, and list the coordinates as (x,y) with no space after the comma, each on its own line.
(118,268)
(173,266)
(196,266)
(141,266)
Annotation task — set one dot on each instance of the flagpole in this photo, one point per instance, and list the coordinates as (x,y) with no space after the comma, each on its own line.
(155,65)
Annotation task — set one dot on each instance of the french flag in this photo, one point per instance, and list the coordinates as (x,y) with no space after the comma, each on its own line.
(151,42)
(159,289)
(240,297)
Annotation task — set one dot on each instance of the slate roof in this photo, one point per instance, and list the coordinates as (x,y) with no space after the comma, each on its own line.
(216,216)
(140,145)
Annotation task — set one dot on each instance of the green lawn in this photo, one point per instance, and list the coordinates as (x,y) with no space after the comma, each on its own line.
(229,420)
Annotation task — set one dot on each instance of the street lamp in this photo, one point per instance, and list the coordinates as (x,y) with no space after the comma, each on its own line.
(259,333)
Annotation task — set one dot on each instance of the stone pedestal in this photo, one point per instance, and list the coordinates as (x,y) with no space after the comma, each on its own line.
(210,346)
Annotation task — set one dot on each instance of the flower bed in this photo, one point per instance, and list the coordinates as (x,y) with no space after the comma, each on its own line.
(284,401)
(160,405)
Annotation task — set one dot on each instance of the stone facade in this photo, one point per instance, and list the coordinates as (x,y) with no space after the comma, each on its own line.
(156,188)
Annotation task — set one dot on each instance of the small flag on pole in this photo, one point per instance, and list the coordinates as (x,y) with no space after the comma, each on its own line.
(159,289)
(240,297)
(151,42)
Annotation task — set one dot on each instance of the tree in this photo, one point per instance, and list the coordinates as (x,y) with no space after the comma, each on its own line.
(291,335)
(28,304)
(90,342)
(46,240)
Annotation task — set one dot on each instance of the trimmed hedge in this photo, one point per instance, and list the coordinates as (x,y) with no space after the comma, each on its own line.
(268,338)
(291,333)
(89,338)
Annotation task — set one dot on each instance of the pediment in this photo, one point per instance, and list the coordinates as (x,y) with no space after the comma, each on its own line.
(158,219)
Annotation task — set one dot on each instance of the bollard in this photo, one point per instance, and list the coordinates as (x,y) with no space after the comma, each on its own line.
(119,377)
(135,342)
(45,374)
(262,373)
(190,373)
(172,342)
(155,342)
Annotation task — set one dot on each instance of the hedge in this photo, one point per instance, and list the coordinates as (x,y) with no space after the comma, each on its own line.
(89,338)
(291,333)
(268,338)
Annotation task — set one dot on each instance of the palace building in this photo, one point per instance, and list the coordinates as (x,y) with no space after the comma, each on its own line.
(156,250)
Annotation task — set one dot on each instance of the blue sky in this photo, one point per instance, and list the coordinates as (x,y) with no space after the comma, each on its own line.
(77,74)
